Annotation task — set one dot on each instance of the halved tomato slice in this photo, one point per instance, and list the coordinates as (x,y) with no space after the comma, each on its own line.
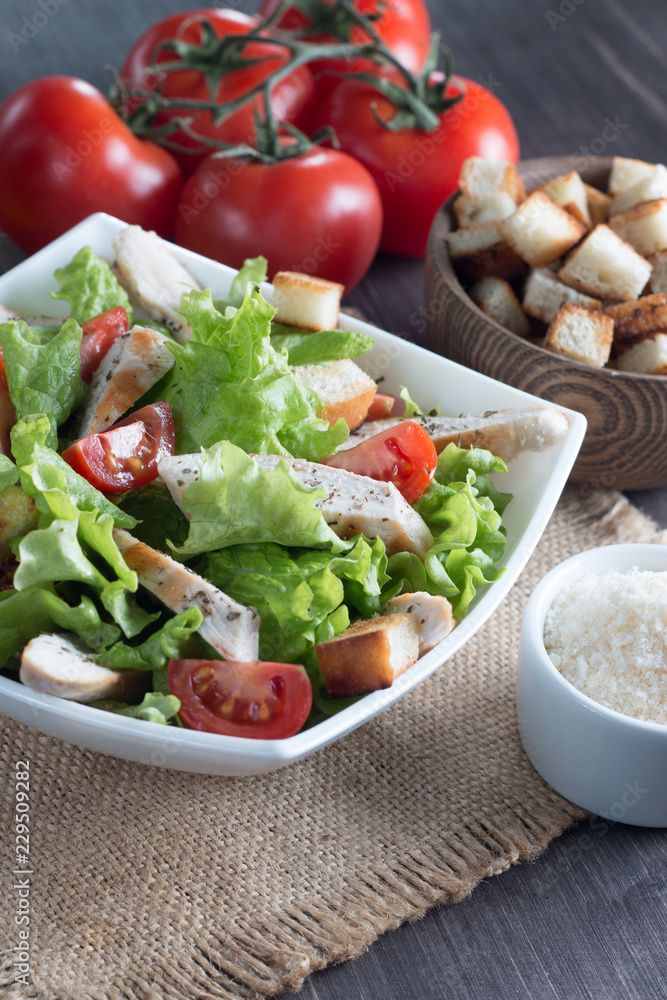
(385,405)
(258,700)
(125,456)
(403,455)
(99,334)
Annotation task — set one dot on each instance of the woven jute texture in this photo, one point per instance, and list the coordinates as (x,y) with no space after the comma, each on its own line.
(154,884)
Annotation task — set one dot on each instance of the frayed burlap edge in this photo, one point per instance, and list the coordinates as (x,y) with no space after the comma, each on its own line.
(255,961)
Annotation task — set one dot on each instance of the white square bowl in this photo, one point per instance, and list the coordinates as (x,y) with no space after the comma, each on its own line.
(535,479)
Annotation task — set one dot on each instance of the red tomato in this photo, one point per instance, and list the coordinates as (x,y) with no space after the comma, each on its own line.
(125,456)
(318,213)
(385,405)
(293,98)
(66,154)
(7,412)
(404,26)
(99,334)
(261,701)
(403,455)
(416,171)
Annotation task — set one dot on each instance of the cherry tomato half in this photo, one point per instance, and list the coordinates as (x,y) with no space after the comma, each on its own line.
(125,456)
(403,455)
(385,405)
(261,701)
(99,334)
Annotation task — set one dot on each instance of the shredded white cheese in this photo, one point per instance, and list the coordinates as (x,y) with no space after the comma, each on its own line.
(607,635)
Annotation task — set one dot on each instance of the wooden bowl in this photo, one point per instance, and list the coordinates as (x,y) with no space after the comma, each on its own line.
(626,443)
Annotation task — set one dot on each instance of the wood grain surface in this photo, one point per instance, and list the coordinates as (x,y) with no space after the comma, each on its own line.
(589,918)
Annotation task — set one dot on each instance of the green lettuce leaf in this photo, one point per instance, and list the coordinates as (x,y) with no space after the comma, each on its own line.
(28,613)
(90,287)
(43,377)
(167,643)
(454,463)
(229,383)
(411,408)
(235,501)
(158,708)
(9,473)
(158,517)
(320,347)
(254,269)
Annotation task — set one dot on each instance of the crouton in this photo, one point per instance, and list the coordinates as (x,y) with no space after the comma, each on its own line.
(491,208)
(481,252)
(369,655)
(496,298)
(634,320)
(344,390)
(649,188)
(658,262)
(568,191)
(544,294)
(540,230)
(306,302)
(605,266)
(644,227)
(599,205)
(581,334)
(648,357)
(480,177)
(625,173)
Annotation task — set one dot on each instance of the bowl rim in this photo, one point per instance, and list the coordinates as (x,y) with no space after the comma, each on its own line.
(537,608)
(439,252)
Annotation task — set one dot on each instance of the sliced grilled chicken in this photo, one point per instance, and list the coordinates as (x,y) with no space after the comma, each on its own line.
(153,278)
(353,504)
(506,433)
(432,613)
(134,363)
(230,627)
(7,315)
(54,665)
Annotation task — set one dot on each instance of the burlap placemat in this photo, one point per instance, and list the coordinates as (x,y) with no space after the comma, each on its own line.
(155,884)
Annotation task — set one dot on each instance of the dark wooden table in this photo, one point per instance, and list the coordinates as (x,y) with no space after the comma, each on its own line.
(589,917)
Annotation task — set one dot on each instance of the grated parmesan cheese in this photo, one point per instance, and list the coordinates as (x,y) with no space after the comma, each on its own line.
(607,635)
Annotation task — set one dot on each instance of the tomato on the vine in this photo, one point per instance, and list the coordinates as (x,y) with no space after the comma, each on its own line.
(318,213)
(416,171)
(126,455)
(404,26)
(293,98)
(258,700)
(403,455)
(66,154)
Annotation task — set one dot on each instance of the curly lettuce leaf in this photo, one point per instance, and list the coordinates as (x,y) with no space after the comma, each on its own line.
(43,376)
(155,707)
(168,643)
(411,408)
(235,501)
(229,383)
(254,269)
(90,287)
(9,473)
(319,347)
(454,463)
(158,517)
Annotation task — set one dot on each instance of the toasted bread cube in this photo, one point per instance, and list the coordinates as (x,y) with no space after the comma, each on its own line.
(540,230)
(599,204)
(369,655)
(480,177)
(650,188)
(481,252)
(344,390)
(496,298)
(490,208)
(544,294)
(605,266)
(569,191)
(658,262)
(649,356)
(633,321)
(581,334)
(305,301)
(644,227)
(625,173)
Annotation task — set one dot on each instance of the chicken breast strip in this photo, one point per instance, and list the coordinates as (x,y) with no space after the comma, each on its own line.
(432,613)
(53,665)
(135,363)
(353,504)
(153,278)
(506,433)
(231,628)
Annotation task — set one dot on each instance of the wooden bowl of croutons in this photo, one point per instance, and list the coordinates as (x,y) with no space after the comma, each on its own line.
(552,277)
